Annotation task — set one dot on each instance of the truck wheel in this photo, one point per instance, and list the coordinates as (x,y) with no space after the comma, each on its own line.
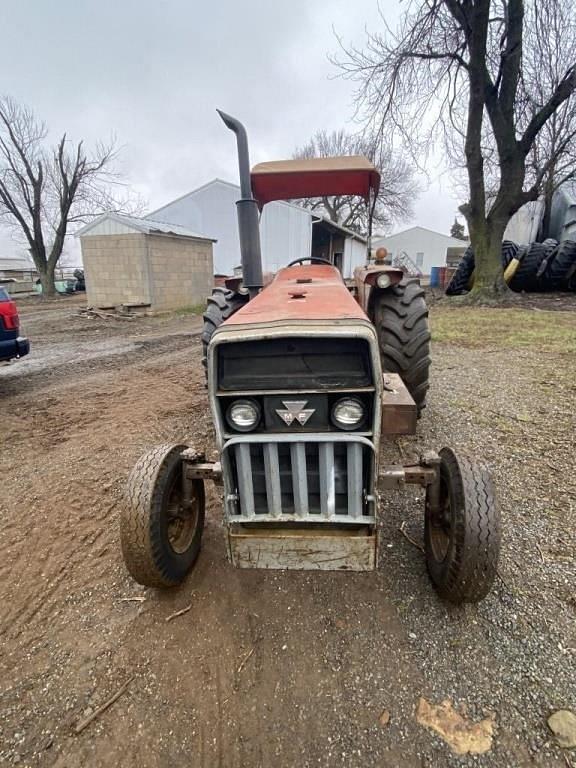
(219,307)
(160,538)
(401,320)
(462,537)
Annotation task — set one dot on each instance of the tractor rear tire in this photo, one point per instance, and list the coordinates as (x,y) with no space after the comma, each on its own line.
(560,267)
(525,278)
(551,247)
(462,278)
(509,251)
(462,537)
(460,282)
(219,307)
(160,537)
(401,319)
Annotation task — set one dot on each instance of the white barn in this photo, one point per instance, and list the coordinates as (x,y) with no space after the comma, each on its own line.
(287,231)
(424,247)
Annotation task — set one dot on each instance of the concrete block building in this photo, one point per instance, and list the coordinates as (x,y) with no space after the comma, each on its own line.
(144,263)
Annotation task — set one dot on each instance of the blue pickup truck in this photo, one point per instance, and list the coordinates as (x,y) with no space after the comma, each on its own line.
(11,343)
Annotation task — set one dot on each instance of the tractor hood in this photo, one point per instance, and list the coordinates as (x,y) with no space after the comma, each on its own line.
(301,294)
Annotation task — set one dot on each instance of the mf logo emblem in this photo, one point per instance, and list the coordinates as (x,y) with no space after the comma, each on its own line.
(295,411)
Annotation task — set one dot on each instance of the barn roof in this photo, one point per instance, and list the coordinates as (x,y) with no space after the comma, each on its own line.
(146,226)
(16,263)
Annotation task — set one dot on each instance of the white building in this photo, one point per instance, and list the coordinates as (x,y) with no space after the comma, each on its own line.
(287,231)
(424,247)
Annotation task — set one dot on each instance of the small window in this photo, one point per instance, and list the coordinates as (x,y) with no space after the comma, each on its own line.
(420,259)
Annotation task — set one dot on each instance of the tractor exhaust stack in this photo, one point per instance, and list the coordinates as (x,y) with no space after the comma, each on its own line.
(248,213)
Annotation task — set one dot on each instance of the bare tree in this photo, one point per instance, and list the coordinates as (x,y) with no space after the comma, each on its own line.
(44,191)
(455,70)
(549,35)
(398,187)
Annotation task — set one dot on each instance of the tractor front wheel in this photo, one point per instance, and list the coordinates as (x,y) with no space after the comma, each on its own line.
(401,319)
(461,530)
(162,518)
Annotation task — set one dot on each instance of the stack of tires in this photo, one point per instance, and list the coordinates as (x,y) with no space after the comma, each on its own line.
(546,266)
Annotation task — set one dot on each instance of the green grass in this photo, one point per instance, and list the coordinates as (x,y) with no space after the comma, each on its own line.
(505,328)
(194,309)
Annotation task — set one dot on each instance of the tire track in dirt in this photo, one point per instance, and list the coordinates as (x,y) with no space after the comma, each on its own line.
(67,489)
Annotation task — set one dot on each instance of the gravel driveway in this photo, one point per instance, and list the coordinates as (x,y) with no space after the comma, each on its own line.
(280,668)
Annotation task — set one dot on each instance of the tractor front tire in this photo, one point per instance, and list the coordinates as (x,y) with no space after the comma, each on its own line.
(160,536)
(462,534)
(219,307)
(401,319)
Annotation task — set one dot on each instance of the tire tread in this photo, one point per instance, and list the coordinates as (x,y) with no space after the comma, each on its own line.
(472,559)
(401,320)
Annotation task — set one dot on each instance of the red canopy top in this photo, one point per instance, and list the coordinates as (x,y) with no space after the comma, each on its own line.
(317,177)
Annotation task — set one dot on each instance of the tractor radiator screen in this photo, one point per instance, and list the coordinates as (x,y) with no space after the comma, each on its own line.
(320,482)
(294,363)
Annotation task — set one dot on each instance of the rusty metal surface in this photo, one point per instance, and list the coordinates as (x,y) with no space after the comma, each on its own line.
(365,281)
(399,413)
(395,476)
(416,474)
(314,177)
(303,548)
(323,296)
(204,471)
(391,478)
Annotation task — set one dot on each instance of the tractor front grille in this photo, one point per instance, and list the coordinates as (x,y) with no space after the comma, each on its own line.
(317,479)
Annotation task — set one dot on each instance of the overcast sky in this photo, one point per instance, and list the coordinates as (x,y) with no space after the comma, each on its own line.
(153,73)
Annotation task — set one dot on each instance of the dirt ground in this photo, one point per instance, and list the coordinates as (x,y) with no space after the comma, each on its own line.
(276,668)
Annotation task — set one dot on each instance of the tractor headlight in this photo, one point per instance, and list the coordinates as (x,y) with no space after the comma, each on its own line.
(348,413)
(243,415)
(383,280)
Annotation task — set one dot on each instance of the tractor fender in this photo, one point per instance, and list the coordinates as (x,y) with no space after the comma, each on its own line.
(366,283)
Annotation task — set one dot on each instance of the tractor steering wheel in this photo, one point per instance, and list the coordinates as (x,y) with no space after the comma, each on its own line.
(313,259)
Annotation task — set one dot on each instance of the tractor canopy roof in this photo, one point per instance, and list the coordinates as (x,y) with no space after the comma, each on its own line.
(317,177)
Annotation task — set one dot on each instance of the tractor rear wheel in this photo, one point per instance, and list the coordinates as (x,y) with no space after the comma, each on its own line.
(160,532)
(525,278)
(219,307)
(558,271)
(463,278)
(401,319)
(462,531)
(460,282)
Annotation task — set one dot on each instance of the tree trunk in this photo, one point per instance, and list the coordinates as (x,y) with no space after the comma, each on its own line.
(547,214)
(489,285)
(46,266)
(48,284)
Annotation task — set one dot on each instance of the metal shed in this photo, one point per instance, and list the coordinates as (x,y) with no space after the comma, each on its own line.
(287,231)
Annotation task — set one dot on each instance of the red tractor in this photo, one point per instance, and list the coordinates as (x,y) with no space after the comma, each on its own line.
(305,378)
